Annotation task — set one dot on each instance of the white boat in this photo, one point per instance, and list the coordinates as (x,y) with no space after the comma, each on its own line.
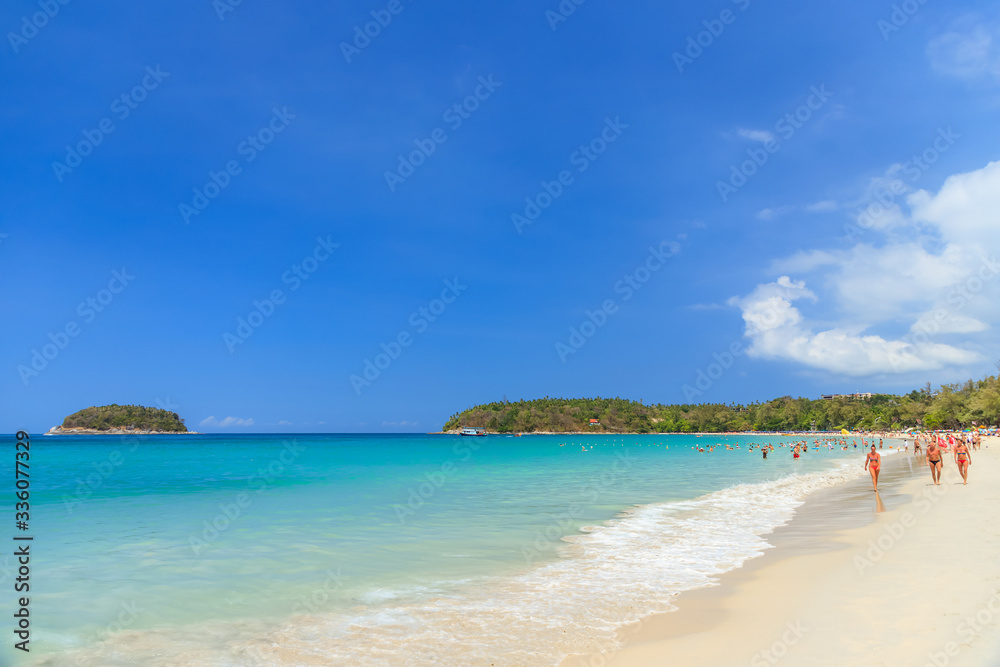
(473,430)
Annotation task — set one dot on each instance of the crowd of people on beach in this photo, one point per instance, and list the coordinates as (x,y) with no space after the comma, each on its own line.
(934,446)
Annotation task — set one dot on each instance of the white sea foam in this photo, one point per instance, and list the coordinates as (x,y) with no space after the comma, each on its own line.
(608,576)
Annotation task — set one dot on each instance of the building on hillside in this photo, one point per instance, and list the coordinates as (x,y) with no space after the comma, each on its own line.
(856,397)
(595,422)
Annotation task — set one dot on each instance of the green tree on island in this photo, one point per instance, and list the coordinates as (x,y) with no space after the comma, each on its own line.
(952,406)
(134,417)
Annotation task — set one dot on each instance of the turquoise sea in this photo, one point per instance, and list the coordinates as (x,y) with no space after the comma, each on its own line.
(385,549)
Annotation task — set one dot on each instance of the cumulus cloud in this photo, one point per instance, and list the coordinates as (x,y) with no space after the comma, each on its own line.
(928,282)
(228,421)
(778,331)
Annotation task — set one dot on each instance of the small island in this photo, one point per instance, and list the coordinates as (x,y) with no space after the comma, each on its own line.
(121,419)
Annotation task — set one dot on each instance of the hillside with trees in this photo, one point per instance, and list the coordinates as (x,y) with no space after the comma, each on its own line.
(950,407)
(125,417)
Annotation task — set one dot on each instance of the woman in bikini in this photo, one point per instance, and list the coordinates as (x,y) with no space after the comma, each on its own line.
(933,458)
(872,464)
(963,457)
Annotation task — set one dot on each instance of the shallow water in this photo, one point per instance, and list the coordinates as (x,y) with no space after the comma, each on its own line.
(375,550)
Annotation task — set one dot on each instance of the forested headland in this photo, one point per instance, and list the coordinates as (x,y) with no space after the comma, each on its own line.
(952,406)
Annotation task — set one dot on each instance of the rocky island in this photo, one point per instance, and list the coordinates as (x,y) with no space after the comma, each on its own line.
(119,420)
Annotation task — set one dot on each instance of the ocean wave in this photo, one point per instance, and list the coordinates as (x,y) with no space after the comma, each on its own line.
(607,576)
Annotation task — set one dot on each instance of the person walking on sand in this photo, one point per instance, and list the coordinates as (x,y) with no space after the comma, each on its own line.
(933,458)
(873,462)
(963,459)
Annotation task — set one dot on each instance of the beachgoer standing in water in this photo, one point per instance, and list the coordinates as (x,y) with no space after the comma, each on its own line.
(933,458)
(873,462)
(963,458)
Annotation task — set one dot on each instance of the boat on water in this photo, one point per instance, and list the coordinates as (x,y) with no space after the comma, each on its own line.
(473,430)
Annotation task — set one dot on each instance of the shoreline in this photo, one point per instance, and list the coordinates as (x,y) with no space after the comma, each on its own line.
(59,430)
(853,578)
(893,435)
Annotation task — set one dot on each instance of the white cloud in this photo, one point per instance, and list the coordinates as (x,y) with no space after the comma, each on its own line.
(970,50)
(762,136)
(771,213)
(965,210)
(929,281)
(402,423)
(805,261)
(820,206)
(778,331)
(228,421)
(948,323)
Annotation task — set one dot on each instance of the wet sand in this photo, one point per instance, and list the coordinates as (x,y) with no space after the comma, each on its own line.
(910,576)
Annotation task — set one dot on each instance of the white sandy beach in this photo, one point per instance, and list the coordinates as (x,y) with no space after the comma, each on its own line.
(917,583)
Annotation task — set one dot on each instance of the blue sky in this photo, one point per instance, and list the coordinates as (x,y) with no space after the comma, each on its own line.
(218,155)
